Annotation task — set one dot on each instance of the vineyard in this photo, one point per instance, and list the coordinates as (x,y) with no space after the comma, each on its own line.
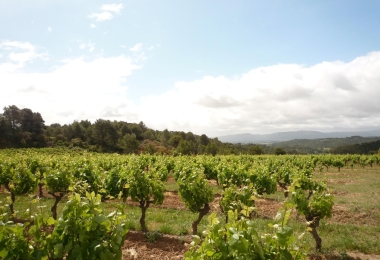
(62,204)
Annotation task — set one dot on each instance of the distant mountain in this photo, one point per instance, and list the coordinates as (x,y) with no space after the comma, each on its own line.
(292,135)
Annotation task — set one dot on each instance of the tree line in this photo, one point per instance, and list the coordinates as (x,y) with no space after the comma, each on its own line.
(24,128)
(363,148)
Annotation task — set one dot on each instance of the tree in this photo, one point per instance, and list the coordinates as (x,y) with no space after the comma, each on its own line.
(54,129)
(165,136)
(123,128)
(149,135)
(105,135)
(12,115)
(5,132)
(27,120)
(279,151)
(255,149)
(174,140)
(143,126)
(191,137)
(201,149)
(85,123)
(136,129)
(78,131)
(26,127)
(204,140)
(129,143)
(36,126)
(211,148)
(185,147)
(148,148)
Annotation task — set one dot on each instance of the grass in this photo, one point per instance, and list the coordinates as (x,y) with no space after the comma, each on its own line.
(171,186)
(349,237)
(168,221)
(25,206)
(356,192)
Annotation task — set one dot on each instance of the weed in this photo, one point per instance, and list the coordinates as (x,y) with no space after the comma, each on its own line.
(166,229)
(152,236)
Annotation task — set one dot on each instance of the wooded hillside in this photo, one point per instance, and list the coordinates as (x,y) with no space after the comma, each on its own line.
(24,128)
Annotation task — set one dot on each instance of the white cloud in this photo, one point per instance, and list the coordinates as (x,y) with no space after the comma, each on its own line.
(89,45)
(107,12)
(49,29)
(77,89)
(140,51)
(112,7)
(100,17)
(93,25)
(326,97)
(17,54)
(136,48)
(10,45)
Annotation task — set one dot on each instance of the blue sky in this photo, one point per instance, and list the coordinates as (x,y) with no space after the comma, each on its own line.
(214,67)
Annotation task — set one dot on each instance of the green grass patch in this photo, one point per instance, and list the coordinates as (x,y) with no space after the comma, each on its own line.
(171,186)
(348,237)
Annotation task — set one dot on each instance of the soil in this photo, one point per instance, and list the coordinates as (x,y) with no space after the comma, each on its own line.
(267,208)
(166,247)
(348,256)
(343,215)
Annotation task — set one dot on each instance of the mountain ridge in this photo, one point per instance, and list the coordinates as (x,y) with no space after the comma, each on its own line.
(292,135)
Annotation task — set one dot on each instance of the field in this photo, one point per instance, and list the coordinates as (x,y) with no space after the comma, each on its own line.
(352,231)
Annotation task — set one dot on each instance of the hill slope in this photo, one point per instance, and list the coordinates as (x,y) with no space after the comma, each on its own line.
(324,144)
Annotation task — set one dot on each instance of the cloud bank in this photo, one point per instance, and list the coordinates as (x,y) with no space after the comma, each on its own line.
(76,89)
(328,96)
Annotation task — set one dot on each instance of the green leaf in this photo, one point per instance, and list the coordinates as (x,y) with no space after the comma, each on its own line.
(58,250)
(210,252)
(286,255)
(50,221)
(196,239)
(3,253)
(258,249)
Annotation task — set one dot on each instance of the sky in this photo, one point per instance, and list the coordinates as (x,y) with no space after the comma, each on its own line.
(212,67)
